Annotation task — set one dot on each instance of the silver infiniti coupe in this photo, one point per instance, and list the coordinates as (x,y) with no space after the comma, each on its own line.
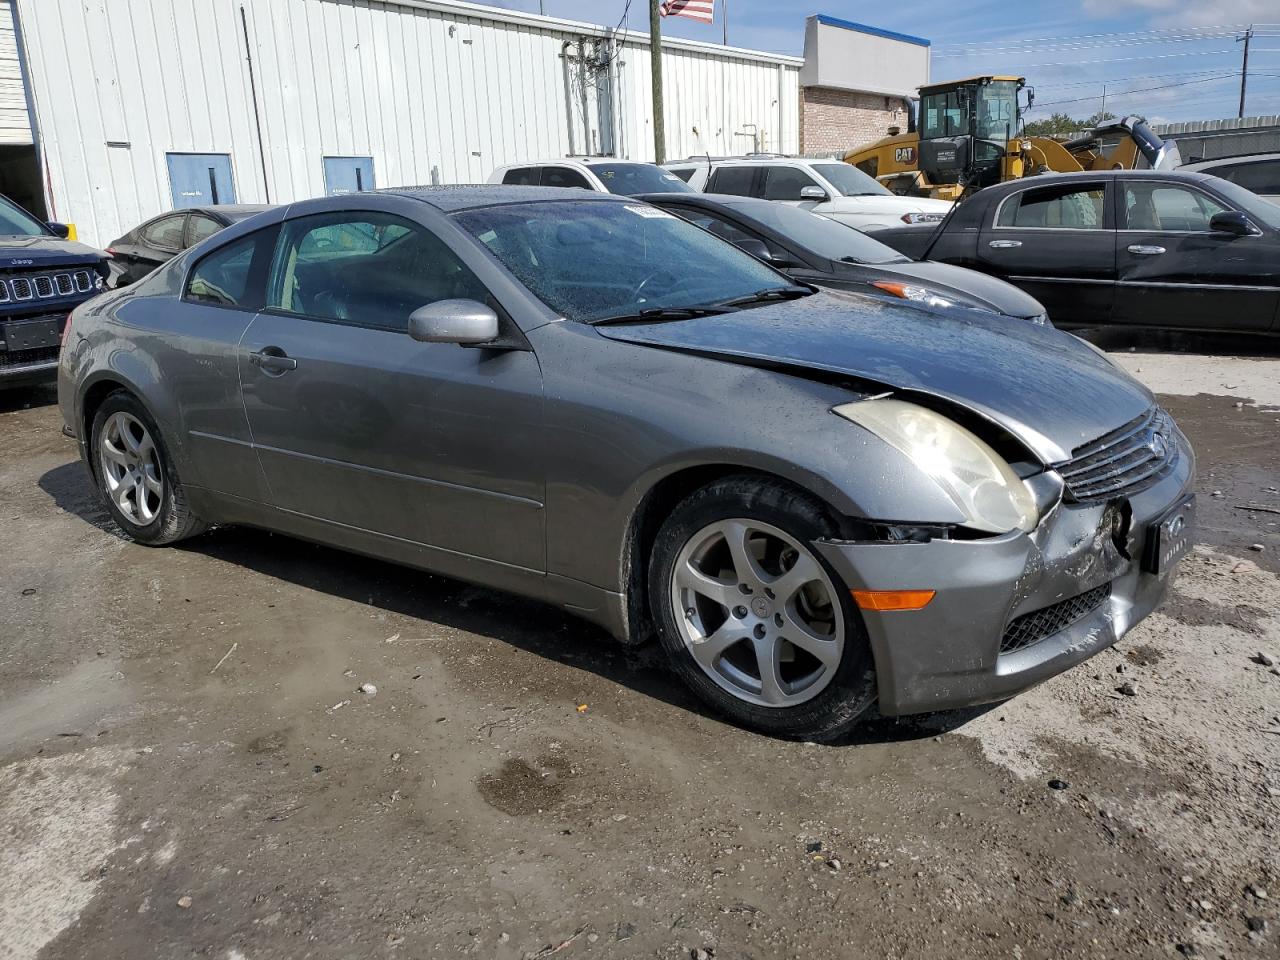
(813,500)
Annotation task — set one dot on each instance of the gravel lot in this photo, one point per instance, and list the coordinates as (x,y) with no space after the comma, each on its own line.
(187,766)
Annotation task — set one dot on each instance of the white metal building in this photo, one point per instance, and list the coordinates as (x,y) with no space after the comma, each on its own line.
(137,106)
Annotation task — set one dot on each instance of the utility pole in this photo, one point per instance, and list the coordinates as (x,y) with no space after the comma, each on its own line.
(724,19)
(655,59)
(1103,112)
(1244,67)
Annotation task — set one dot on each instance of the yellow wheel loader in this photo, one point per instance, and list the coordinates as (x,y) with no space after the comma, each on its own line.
(967,137)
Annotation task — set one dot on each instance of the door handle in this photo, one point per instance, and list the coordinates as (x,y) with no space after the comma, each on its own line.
(1005,244)
(1145,250)
(273,360)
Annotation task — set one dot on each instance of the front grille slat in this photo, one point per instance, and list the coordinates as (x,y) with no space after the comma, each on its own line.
(1126,460)
(1030,628)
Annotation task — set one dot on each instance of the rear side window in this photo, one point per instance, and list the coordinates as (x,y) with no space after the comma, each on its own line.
(232,276)
(733,180)
(201,228)
(1262,176)
(522,177)
(1060,207)
(365,269)
(785,183)
(563,177)
(165,233)
(684,173)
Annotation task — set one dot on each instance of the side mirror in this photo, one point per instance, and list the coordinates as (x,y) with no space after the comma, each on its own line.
(754,246)
(813,193)
(59,230)
(454,321)
(1233,222)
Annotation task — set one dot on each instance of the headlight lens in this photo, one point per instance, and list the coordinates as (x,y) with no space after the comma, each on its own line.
(1041,319)
(909,291)
(972,475)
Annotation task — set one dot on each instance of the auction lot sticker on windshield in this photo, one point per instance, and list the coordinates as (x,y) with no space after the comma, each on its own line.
(650,212)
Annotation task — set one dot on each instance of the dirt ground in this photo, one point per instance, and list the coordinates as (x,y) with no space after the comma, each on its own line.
(187,767)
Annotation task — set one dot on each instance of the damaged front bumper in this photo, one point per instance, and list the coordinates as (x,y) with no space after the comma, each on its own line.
(1013,610)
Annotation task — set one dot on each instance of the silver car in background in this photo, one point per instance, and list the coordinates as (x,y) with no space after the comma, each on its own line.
(813,499)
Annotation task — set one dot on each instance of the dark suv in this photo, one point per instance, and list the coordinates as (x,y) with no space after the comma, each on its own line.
(43,275)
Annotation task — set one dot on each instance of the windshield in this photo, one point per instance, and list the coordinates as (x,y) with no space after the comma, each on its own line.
(820,234)
(848,179)
(16,222)
(1264,211)
(629,179)
(592,260)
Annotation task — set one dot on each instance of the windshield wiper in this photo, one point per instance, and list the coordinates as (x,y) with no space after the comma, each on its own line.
(769,295)
(666,313)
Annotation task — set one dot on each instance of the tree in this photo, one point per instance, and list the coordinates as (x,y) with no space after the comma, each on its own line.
(1061,124)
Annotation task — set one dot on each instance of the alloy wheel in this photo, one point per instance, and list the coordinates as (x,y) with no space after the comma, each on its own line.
(758,612)
(131,468)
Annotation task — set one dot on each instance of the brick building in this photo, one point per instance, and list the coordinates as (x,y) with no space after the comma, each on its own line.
(856,82)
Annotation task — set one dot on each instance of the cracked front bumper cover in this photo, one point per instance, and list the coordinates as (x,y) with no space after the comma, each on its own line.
(948,654)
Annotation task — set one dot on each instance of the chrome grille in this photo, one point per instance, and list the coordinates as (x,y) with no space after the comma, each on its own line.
(1031,628)
(44,285)
(1123,462)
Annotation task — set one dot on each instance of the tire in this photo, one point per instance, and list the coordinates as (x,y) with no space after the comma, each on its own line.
(714,632)
(135,474)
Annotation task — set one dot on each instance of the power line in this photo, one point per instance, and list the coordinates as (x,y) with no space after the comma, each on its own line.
(1168,35)
(1125,93)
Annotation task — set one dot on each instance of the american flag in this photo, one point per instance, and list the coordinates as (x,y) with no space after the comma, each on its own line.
(693,9)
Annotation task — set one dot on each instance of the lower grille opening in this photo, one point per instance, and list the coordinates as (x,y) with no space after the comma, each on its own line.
(20,358)
(1031,628)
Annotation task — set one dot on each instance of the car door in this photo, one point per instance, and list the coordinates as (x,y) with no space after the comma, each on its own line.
(1173,270)
(357,424)
(1056,242)
(221,293)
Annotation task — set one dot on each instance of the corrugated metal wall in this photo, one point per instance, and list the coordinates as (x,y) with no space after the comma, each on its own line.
(15,125)
(433,91)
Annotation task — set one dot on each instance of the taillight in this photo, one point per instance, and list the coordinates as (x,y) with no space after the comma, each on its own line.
(66,329)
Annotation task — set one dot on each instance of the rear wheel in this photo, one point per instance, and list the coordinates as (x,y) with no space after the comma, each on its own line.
(753,619)
(135,474)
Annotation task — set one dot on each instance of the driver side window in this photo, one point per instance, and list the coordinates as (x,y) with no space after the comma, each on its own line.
(364,269)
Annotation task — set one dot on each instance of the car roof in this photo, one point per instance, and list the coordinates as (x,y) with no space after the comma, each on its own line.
(233,211)
(772,161)
(709,200)
(1219,161)
(470,196)
(569,161)
(1010,186)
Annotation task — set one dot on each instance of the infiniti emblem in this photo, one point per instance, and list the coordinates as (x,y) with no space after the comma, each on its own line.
(1159,445)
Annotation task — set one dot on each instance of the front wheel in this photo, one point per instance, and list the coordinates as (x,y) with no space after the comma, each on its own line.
(753,619)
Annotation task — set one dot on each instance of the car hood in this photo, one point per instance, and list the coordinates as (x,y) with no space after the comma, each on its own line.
(44,252)
(889,204)
(1047,388)
(964,286)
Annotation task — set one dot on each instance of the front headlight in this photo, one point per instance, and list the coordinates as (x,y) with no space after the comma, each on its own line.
(909,291)
(972,475)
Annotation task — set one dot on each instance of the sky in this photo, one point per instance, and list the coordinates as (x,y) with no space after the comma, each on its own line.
(1167,60)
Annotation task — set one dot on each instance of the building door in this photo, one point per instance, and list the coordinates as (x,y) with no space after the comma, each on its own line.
(347,175)
(200,179)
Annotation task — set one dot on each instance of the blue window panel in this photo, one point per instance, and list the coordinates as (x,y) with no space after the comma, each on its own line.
(347,175)
(200,179)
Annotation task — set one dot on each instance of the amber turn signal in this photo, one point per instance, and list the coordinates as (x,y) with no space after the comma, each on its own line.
(893,599)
